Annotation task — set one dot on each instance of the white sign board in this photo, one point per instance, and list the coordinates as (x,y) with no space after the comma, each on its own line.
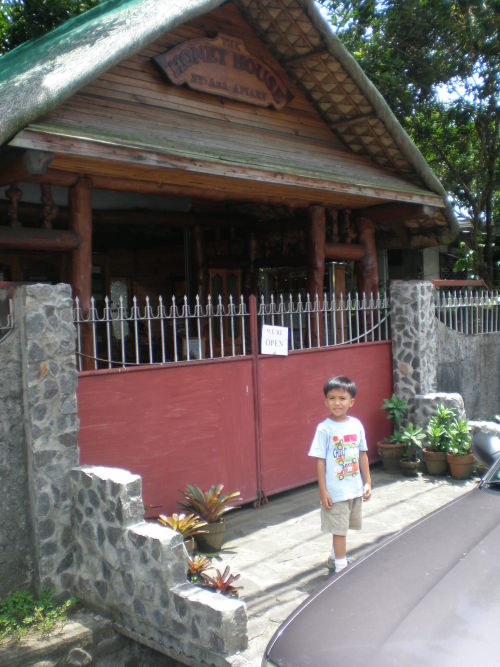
(274,340)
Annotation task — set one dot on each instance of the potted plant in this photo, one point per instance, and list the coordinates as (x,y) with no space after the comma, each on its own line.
(412,437)
(391,449)
(438,439)
(210,506)
(188,525)
(459,454)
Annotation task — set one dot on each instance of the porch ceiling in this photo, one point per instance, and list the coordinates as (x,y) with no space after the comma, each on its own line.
(181,158)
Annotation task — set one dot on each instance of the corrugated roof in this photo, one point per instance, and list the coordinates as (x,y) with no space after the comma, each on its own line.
(39,75)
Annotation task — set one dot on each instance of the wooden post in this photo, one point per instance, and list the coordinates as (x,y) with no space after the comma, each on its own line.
(80,201)
(316,256)
(368,266)
(199,258)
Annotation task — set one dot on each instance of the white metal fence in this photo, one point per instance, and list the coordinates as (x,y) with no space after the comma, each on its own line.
(6,318)
(469,312)
(119,335)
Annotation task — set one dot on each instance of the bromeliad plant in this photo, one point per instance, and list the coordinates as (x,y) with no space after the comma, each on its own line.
(222,583)
(209,505)
(186,524)
(196,566)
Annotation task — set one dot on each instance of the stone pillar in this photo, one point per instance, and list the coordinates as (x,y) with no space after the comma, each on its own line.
(413,333)
(43,315)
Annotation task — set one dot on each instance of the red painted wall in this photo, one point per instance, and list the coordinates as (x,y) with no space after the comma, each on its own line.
(292,404)
(195,422)
(190,423)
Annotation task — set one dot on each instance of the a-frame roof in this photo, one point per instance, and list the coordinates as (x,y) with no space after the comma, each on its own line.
(41,74)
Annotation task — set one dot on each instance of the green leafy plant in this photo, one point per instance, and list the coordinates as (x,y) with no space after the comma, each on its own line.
(196,566)
(460,438)
(186,524)
(21,612)
(209,505)
(395,410)
(412,437)
(438,428)
(222,583)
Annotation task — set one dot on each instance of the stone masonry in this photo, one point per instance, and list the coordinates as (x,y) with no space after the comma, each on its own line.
(413,334)
(44,324)
(136,571)
(82,529)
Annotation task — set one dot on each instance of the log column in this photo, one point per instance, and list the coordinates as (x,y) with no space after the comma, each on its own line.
(80,203)
(316,255)
(368,265)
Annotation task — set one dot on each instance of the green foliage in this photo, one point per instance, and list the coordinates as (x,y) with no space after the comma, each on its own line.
(460,438)
(222,583)
(395,410)
(437,64)
(412,437)
(438,429)
(21,20)
(209,505)
(186,524)
(21,612)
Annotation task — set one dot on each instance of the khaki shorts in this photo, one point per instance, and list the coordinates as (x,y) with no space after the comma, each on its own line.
(342,516)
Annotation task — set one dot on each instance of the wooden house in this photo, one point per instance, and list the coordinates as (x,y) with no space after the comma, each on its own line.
(203,146)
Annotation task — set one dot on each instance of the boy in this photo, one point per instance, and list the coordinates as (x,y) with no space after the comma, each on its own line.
(340,449)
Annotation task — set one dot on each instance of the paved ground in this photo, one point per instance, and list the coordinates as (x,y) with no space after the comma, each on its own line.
(281,553)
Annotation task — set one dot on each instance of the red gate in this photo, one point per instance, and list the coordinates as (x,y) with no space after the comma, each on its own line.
(246,421)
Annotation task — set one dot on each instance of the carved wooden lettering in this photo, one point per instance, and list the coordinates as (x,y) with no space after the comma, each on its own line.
(223,66)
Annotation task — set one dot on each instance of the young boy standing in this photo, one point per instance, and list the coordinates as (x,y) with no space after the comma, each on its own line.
(340,449)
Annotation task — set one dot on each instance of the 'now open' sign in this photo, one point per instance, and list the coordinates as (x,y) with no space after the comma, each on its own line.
(274,340)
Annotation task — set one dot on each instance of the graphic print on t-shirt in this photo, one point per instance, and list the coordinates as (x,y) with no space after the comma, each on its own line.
(345,453)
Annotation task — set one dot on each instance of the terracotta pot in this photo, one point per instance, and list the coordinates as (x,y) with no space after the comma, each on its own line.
(213,538)
(461,467)
(409,468)
(391,454)
(435,462)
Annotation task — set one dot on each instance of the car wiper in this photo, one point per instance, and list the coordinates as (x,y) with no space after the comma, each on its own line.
(489,482)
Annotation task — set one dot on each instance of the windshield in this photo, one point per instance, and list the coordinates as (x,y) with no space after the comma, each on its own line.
(492,477)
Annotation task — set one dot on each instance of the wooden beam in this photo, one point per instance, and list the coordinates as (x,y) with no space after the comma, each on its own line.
(396,213)
(344,251)
(17,165)
(48,240)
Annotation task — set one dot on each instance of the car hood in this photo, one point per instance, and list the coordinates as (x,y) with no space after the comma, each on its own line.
(429,596)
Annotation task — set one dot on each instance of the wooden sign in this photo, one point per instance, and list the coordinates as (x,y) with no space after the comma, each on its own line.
(223,66)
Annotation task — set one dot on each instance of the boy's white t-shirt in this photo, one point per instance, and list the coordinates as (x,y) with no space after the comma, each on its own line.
(339,443)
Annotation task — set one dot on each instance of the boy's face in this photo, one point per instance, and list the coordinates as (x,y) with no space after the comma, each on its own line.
(338,402)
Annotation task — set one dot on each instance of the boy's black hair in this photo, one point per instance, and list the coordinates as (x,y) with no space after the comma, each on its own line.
(340,382)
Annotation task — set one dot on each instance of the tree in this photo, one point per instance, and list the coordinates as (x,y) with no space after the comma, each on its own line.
(437,63)
(21,20)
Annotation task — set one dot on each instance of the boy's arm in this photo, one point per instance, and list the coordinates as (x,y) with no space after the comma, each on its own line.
(326,500)
(365,473)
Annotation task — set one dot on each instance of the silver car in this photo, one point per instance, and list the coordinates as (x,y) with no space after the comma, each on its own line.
(428,596)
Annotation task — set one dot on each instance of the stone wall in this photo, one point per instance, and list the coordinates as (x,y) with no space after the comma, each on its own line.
(470,365)
(429,357)
(136,571)
(44,321)
(82,529)
(16,563)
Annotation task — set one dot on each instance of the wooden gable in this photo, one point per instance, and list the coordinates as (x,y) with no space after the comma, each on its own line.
(133,129)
